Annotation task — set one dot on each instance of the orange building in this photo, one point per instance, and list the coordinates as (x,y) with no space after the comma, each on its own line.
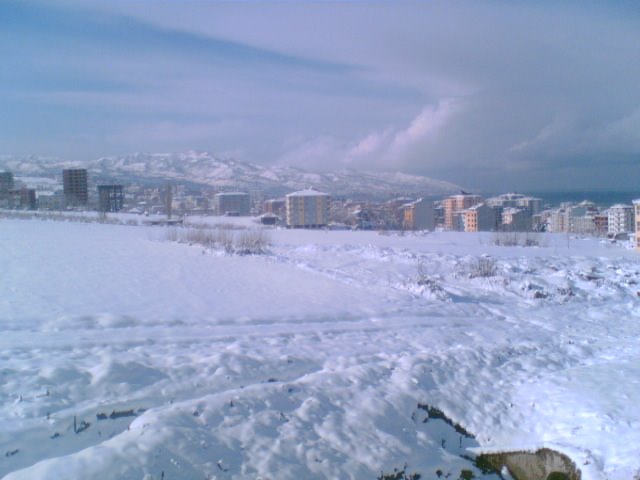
(455,204)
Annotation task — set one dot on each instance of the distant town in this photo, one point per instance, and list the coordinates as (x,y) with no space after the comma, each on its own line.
(310,208)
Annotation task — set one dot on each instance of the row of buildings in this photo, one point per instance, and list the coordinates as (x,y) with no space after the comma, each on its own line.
(75,188)
(15,196)
(313,209)
(307,208)
(75,193)
(517,212)
(471,213)
(512,212)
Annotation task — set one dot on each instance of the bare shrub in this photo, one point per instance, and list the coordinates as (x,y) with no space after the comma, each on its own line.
(252,242)
(243,242)
(225,239)
(172,235)
(428,284)
(534,239)
(422,278)
(199,237)
(517,239)
(505,239)
(483,267)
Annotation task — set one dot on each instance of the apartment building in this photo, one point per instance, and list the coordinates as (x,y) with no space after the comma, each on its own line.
(620,219)
(75,186)
(479,218)
(516,200)
(601,222)
(581,218)
(516,219)
(6,183)
(274,206)
(636,206)
(584,224)
(307,209)
(232,203)
(110,198)
(454,205)
(558,220)
(418,215)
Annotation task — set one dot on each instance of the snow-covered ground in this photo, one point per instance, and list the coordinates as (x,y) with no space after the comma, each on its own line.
(174,361)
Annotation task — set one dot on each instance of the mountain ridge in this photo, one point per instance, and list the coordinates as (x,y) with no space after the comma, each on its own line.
(204,168)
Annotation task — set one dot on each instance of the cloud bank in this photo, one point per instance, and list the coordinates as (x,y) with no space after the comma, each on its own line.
(491,95)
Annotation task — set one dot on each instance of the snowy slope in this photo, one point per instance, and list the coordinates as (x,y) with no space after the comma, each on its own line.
(207,169)
(310,362)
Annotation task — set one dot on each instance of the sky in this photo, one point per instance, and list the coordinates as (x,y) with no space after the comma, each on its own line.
(491,95)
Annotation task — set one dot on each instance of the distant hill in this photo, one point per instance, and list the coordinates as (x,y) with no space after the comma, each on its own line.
(227,174)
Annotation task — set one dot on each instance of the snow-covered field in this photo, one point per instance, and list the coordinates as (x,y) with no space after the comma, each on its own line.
(127,356)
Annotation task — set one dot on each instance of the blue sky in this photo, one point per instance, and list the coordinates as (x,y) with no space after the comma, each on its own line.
(491,95)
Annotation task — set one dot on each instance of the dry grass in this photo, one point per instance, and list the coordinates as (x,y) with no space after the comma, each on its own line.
(238,242)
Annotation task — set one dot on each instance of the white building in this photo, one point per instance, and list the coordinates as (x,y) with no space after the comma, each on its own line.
(516,200)
(579,218)
(559,220)
(585,224)
(620,219)
(307,209)
(526,206)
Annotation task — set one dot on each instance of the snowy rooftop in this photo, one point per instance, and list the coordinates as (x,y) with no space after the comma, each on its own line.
(476,206)
(308,193)
(415,202)
(231,194)
(512,210)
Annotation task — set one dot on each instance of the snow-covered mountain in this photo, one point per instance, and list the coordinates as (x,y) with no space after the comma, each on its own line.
(205,168)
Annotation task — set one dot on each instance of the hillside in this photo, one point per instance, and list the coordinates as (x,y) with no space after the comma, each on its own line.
(227,174)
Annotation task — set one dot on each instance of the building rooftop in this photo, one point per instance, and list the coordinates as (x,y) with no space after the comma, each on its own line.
(230,193)
(476,206)
(512,210)
(463,195)
(308,193)
(415,202)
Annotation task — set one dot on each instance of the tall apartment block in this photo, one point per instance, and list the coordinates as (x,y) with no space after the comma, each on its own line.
(479,218)
(454,205)
(418,215)
(6,183)
(636,206)
(110,198)
(620,219)
(307,209)
(232,203)
(75,186)
(516,200)
(275,206)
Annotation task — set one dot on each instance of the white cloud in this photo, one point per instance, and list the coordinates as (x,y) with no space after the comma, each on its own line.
(424,128)
(388,149)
